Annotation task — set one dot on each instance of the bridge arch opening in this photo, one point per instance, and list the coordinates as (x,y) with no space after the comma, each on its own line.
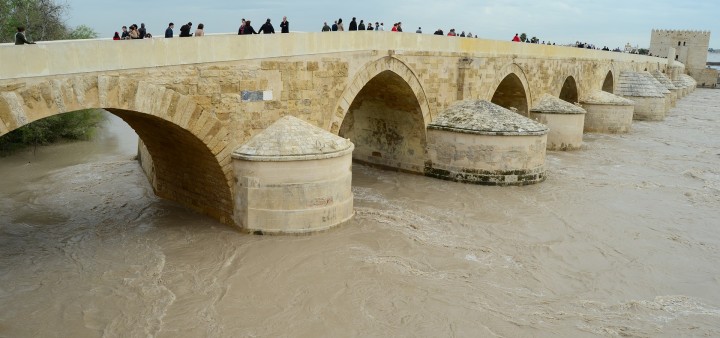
(510,93)
(181,166)
(609,83)
(184,169)
(385,122)
(569,91)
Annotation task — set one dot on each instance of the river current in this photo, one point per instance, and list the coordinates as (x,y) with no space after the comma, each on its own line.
(622,239)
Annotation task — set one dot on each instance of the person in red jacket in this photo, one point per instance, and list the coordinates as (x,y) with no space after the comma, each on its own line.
(516,38)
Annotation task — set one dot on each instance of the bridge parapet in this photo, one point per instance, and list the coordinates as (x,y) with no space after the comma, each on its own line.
(83,56)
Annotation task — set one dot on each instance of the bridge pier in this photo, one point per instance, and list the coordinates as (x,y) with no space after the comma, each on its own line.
(649,101)
(478,142)
(665,81)
(607,113)
(564,119)
(293,178)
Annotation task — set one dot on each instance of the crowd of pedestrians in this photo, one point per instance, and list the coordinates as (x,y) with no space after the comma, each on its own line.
(135,32)
(338,26)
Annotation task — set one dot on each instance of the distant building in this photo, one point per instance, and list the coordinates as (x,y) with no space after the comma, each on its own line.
(691,48)
(630,49)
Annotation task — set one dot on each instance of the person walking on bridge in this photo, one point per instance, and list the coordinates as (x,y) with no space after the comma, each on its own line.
(142,31)
(267,28)
(242,27)
(200,31)
(284,25)
(185,30)
(326,28)
(20,38)
(249,28)
(169,30)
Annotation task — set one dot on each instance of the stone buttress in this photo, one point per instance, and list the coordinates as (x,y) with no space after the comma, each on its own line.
(475,141)
(293,178)
(564,119)
(665,81)
(607,113)
(649,101)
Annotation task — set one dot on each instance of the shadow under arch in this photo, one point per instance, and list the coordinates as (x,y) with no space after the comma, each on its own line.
(384,112)
(609,83)
(184,168)
(569,90)
(512,90)
(186,144)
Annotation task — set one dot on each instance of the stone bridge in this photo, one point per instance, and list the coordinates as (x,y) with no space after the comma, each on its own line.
(194,101)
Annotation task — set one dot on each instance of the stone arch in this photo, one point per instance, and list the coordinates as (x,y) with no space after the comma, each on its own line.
(569,90)
(189,147)
(512,90)
(368,72)
(384,111)
(609,83)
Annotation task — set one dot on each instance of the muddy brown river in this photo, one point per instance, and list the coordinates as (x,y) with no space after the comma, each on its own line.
(622,239)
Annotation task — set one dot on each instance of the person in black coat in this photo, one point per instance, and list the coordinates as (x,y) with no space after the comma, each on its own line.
(20,38)
(353,25)
(142,31)
(248,28)
(185,30)
(361,26)
(284,25)
(266,28)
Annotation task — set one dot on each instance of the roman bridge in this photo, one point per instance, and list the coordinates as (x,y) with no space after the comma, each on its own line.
(193,101)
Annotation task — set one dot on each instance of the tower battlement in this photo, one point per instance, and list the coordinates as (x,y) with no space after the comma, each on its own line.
(687,46)
(691,45)
(687,32)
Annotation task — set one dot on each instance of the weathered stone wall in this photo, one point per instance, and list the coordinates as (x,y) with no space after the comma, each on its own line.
(566,130)
(707,77)
(293,197)
(608,118)
(486,159)
(649,108)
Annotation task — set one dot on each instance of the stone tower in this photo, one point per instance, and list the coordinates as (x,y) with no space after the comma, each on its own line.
(691,48)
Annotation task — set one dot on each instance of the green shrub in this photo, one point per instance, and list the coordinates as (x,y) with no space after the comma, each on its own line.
(78,125)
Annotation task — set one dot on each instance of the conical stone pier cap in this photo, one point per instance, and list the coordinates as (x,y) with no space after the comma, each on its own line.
(485,118)
(549,104)
(660,87)
(636,84)
(664,80)
(292,139)
(606,98)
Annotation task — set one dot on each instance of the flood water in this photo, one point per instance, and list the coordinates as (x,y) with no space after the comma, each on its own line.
(623,239)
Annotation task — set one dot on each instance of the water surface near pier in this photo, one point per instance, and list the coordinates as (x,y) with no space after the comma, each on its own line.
(623,239)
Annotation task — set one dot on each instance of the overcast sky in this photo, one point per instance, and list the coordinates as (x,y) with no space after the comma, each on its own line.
(602,22)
